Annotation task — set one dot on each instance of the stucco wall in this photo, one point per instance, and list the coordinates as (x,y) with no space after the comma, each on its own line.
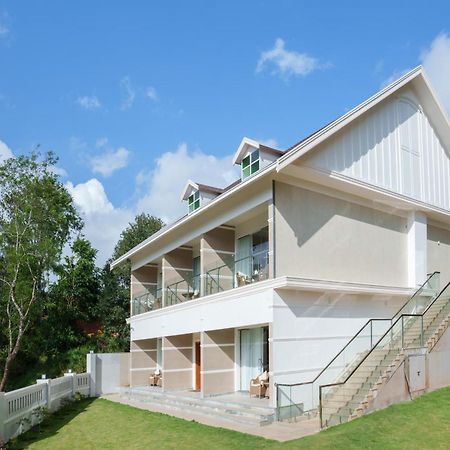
(310,328)
(218,371)
(321,237)
(142,361)
(438,252)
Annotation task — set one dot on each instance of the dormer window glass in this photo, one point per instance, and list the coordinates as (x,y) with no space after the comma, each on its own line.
(194,201)
(250,164)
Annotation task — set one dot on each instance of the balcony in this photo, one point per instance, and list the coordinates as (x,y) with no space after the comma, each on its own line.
(149,301)
(237,273)
(186,289)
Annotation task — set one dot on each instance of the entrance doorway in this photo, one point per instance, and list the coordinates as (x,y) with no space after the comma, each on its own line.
(198,365)
(254,354)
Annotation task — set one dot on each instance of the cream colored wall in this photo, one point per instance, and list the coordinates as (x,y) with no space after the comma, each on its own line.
(321,237)
(177,362)
(438,252)
(143,361)
(217,361)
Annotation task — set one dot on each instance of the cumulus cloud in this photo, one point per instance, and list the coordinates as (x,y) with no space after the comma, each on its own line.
(103,221)
(160,188)
(88,102)
(110,161)
(128,93)
(287,62)
(5,152)
(436,61)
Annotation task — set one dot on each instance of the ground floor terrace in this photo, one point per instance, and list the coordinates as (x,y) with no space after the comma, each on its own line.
(206,363)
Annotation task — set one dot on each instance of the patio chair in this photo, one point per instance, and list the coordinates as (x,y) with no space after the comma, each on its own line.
(156,378)
(259,386)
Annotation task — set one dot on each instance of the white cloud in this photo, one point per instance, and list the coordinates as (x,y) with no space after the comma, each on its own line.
(287,63)
(101,142)
(436,61)
(150,92)
(103,222)
(5,152)
(59,171)
(395,76)
(110,161)
(163,186)
(89,102)
(5,22)
(128,93)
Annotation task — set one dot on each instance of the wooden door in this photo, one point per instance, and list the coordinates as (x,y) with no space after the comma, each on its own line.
(198,366)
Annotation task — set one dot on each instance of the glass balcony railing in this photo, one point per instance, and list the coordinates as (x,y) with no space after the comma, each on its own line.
(237,273)
(148,301)
(183,290)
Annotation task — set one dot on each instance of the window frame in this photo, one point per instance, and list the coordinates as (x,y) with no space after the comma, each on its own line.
(194,201)
(250,164)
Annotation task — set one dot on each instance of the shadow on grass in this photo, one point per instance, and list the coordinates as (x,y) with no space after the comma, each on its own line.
(50,426)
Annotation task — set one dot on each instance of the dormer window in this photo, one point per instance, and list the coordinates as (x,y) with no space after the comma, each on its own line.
(194,201)
(250,164)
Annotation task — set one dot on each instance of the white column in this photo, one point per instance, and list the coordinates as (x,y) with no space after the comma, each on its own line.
(2,417)
(48,383)
(91,368)
(417,248)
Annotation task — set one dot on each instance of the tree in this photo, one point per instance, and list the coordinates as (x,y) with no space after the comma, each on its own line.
(114,301)
(37,218)
(144,225)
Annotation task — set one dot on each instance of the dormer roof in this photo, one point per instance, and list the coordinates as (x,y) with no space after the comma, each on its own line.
(191,187)
(248,145)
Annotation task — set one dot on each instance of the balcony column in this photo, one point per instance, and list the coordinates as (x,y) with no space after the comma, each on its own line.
(177,362)
(176,266)
(143,359)
(417,248)
(218,361)
(271,226)
(216,249)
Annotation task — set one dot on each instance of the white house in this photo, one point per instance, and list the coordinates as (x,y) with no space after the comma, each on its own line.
(278,271)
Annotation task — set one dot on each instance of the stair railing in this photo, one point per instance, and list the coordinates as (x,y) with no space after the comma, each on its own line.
(295,399)
(395,338)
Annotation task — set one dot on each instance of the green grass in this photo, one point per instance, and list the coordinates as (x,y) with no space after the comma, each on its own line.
(101,424)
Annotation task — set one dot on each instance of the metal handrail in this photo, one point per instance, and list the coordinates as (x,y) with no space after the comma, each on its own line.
(372,349)
(355,336)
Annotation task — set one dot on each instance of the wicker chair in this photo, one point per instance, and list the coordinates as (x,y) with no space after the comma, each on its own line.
(259,386)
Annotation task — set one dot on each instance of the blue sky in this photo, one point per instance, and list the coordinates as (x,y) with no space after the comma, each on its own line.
(137,97)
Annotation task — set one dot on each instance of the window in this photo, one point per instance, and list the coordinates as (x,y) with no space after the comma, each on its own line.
(250,164)
(194,201)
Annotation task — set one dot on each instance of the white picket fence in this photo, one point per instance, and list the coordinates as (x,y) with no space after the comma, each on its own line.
(21,409)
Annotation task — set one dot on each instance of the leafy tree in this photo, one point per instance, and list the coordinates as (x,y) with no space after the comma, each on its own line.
(114,301)
(37,218)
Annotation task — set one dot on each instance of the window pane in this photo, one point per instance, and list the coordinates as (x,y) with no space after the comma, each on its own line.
(246,172)
(254,156)
(191,198)
(246,162)
(254,167)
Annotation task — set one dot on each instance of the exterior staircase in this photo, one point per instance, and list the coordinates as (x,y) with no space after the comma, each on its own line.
(234,408)
(351,396)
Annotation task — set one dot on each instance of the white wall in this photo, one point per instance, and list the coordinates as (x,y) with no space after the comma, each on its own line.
(394,147)
(310,328)
(109,371)
(438,252)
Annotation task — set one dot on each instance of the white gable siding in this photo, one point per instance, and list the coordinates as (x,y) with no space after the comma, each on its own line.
(394,147)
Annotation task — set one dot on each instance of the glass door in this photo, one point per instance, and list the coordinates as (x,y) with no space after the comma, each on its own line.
(252,355)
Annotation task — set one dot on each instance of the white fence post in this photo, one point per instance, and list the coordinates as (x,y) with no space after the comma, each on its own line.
(91,366)
(2,418)
(48,390)
(71,374)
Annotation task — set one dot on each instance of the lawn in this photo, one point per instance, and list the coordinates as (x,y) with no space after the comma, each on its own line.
(100,424)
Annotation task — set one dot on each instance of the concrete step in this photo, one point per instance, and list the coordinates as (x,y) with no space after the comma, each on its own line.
(227,410)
